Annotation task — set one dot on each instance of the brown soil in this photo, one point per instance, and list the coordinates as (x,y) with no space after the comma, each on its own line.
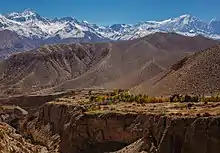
(195,74)
(73,124)
(126,127)
(121,64)
(10,142)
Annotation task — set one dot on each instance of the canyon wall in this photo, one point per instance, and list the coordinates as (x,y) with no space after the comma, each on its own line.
(74,129)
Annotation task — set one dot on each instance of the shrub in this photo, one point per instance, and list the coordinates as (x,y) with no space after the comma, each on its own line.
(198,115)
(90,92)
(186,98)
(195,99)
(92,98)
(100,99)
(175,98)
(211,99)
(124,96)
(189,105)
(206,115)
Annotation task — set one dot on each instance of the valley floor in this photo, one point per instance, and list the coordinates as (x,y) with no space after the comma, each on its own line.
(98,120)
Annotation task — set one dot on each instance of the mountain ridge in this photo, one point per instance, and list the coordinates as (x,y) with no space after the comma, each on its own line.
(30,24)
(121,64)
(28,30)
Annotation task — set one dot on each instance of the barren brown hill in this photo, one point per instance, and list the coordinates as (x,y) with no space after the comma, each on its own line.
(11,42)
(198,73)
(121,64)
(48,66)
(129,63)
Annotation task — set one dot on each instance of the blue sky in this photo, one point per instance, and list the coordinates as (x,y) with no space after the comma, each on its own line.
(116,11)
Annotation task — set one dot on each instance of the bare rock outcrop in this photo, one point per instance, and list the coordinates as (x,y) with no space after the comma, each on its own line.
(81,131)
(10,142)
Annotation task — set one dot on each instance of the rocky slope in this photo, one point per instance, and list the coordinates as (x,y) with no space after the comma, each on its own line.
(49,65)
(118,64)
(10,142)
(195,74)
(132,62)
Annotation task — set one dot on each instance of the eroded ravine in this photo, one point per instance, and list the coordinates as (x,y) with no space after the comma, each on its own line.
(81,131)
(69,123)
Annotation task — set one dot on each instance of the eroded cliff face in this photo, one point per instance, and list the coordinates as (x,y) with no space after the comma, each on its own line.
(82,132)
(73,129)
(11,142)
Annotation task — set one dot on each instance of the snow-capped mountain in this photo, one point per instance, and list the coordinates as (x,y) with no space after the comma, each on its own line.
(30,24)
(186,25)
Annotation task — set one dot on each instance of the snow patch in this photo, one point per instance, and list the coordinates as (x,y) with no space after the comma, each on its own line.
(29,24)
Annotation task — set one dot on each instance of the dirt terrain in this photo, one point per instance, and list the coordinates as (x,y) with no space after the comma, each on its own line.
(76,123)
(195,74)
(122,64)
(60,98)
(12,142)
